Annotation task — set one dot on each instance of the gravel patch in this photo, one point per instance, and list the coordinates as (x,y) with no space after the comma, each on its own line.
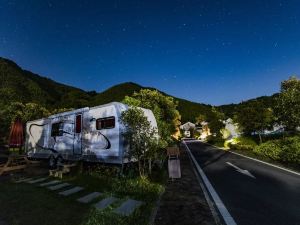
(183,202)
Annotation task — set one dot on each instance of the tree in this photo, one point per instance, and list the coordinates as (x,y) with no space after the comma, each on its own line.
(225,133)
(141,136)
(254,117)
(200,118)
(61,110)
(288,104)
(25,112)
(214,120)
(163,108)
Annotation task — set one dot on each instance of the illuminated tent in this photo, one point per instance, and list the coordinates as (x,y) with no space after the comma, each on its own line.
(16,138)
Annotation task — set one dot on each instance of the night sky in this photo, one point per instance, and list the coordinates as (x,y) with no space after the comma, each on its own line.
(214,52)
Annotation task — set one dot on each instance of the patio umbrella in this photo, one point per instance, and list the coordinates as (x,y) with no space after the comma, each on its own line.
(16,138)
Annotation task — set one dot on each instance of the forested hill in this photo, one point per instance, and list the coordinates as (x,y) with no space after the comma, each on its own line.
(266,101)
(24,86)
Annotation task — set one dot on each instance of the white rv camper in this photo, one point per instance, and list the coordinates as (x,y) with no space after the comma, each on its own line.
(89,134)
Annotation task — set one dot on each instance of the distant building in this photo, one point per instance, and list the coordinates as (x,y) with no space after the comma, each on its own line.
(188,129)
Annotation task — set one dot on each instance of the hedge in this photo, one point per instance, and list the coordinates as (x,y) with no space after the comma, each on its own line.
(285,150)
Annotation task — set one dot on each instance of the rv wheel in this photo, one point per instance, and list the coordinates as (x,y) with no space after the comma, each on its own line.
(52,162)
(59,161)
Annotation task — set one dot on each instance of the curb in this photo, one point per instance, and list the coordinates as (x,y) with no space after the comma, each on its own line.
(228,219)
(155,209)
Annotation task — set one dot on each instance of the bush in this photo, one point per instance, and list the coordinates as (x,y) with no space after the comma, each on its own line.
(215,140)
(242,143)
(270,149)
(291,150)
(285,150)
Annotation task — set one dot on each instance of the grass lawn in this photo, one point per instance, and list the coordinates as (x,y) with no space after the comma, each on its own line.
(30,204)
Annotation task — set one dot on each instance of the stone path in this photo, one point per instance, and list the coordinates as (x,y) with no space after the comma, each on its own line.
(183,202)
(90,197)
(128,207)
(71,191)
(125,209)
(37,180)
(24,180)
(50,183)
(59,186)
(105,202)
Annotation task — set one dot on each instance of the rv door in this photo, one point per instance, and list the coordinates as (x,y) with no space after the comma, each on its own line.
(77,134)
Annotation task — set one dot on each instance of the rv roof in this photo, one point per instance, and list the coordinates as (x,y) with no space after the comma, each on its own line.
(108,104)
(78,110)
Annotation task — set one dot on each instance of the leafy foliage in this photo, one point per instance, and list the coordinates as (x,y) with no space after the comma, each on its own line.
(225,133)
(18,85)
(230,109)
(26,112)
(254,117)
(163,108)
(200,118)
(285,150)
(288,104)
(214,120)
(242,143)
(142,138)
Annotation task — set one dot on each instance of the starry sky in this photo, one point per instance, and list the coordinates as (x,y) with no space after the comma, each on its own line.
(215,52)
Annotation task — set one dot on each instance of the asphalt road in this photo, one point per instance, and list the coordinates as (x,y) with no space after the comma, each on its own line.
(264,196)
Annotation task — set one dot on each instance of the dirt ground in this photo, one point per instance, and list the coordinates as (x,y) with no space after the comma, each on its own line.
(183,201)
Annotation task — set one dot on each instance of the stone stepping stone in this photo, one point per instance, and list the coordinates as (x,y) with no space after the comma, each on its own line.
(105,202)
(88,198)
(50,183)
(37,180)
(71,191)
(23,180)
(128,207)
(59,186)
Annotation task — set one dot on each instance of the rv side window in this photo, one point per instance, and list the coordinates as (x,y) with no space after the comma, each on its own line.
(78,124)
(105,123)
(56,129)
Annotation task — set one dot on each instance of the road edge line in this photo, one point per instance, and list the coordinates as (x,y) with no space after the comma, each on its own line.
(257,160)
(228,219)
(208,199)
(269,164)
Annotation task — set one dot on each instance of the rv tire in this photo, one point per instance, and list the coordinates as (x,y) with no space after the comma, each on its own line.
(59,161)
(52,162)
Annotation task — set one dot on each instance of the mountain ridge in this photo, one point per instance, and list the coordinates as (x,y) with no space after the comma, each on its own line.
(24,86)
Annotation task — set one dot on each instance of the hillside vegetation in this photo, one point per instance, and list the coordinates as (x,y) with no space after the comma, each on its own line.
(18,85)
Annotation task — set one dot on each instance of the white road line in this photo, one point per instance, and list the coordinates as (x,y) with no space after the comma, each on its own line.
(228,219)
(248,157)
(269,164)
(238,169)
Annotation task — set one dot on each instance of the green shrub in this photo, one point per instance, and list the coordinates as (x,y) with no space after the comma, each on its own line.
(285,150)
(215,140)
(291,150)
(270,149)
(242,143)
